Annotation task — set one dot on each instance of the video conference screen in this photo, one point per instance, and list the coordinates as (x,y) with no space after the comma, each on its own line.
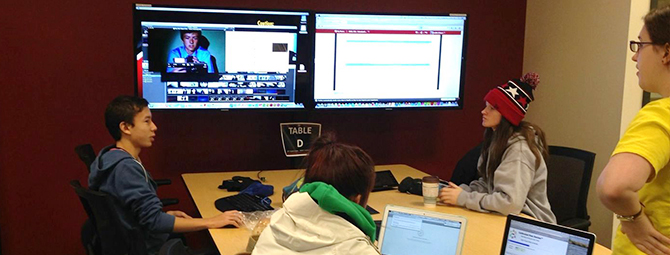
(388,61)
(208,58)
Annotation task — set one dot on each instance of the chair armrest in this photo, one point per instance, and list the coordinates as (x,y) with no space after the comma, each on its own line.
(160,182)
(578,223)
(169,201)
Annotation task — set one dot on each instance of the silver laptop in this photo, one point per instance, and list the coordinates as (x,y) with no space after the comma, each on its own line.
(524,236)
(407,231)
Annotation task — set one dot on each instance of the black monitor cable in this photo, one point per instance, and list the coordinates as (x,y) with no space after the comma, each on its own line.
(258,175)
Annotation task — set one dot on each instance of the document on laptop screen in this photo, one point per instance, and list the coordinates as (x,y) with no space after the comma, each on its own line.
(417,234)
(527,239)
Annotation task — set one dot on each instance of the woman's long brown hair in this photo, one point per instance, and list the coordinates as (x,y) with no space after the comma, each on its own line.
(495,144)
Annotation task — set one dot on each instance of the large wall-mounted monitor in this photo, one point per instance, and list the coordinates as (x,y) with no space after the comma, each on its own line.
(389,61)
(210,58)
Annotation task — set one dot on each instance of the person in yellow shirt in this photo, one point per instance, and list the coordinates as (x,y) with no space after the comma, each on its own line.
(635,183)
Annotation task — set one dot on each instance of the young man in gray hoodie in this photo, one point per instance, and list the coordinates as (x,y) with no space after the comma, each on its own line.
(118,171)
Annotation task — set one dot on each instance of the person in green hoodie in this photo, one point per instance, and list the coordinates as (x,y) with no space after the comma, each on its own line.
(327,215)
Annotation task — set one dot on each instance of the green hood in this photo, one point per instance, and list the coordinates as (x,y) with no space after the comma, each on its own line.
(330,200)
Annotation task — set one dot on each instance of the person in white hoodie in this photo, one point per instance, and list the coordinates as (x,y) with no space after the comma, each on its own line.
(512,166)
(327,215)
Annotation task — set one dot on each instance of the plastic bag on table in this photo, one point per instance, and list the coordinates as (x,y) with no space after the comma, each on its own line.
(256,223)
(251,219)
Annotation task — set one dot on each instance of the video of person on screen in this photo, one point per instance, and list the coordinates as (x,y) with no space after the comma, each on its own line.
(190,57)
(186,51)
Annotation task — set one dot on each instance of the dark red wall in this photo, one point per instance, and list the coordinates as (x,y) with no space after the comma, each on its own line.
(62,61)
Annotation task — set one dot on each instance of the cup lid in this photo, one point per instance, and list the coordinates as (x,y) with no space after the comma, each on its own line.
(430,179)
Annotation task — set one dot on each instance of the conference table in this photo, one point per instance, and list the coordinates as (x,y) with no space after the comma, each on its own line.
(483,235)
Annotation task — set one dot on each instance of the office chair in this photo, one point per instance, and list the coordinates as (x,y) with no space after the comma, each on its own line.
(87,155)
(173,247)
(109,237)
(568,180)
(466,168)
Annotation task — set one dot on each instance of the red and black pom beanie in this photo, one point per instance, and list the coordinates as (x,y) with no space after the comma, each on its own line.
(512,98)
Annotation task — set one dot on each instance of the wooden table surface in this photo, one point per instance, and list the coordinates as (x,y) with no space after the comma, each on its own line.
(483,235)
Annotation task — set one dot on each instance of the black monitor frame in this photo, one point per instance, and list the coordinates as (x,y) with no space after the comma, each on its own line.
(204,15)
(459,101)
(536,223)
(304,86)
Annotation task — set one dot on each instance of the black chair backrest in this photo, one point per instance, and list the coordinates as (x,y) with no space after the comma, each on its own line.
(466,168)
(173,247)
(114,238)
(568,180)
(86,154)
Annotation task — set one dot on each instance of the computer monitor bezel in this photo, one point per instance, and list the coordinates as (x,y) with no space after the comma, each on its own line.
(313,101)
(463,221)
(571,231)
(302,86)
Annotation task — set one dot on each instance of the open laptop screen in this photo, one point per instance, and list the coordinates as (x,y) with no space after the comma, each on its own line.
(526,236)
(407,233)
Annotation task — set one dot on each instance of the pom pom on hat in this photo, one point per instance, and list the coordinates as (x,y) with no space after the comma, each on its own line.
(533,79)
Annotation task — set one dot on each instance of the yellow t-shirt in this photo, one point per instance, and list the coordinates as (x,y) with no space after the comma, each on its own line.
(648,136)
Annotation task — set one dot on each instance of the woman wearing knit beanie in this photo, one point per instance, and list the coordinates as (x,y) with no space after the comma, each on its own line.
(514,174)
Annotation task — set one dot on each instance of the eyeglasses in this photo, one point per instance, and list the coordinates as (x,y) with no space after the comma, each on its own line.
(636,46)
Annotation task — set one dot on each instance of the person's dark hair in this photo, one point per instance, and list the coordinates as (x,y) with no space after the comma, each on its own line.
(184,32)
(122,109)
(657,23)
(348,168)
(495,143)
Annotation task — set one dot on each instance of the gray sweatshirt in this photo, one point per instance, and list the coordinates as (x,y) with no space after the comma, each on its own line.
(517,185)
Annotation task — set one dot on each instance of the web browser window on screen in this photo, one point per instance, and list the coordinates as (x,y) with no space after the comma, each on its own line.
(416,234)
(361,57)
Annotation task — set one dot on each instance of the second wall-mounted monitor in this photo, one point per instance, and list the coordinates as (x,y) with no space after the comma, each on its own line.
(212,58)
(389,61)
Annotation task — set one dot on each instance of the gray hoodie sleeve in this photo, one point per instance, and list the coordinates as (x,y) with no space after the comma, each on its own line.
(511,183)
(139,197)
(478,185)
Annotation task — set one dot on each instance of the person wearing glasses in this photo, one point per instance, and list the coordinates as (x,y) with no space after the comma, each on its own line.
(635,183)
